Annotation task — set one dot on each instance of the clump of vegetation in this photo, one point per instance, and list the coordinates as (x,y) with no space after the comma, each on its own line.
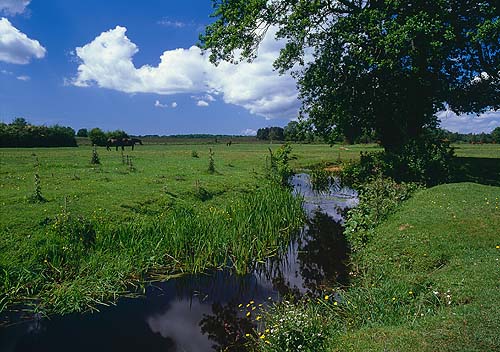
(377,199)
(427,160)
(95,157)
(211,161)
(278,168)
(320,178)
(194,154)
(292,327)
(201,193)
(36,196)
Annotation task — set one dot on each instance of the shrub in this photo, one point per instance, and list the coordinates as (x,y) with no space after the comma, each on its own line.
(194,154)
(427,160)
(211,162)
(278,168)
(377,199)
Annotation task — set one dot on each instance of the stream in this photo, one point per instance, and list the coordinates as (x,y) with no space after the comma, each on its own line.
(211,311)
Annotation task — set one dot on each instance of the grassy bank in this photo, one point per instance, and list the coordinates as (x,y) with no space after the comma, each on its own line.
(427,281)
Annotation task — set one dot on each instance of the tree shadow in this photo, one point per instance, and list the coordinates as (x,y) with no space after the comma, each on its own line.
(479,170)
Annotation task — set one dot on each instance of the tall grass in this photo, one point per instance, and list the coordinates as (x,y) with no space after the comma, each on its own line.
(75,263)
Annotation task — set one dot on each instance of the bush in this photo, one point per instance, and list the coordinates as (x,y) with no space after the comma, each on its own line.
(427,160)
(377,199)
(279,171)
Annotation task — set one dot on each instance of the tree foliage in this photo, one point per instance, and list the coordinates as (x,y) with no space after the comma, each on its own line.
(372,66)
(20,133)
(271,134)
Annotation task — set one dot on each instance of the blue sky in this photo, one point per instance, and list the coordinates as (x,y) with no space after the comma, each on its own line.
(131,65)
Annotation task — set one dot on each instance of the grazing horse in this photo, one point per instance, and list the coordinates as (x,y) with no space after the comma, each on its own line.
(122,142)
(130,142)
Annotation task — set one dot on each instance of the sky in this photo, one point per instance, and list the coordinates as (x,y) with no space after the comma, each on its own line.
(134,65)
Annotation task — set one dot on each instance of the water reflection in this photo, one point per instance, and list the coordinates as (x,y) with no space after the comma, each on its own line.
(201,312)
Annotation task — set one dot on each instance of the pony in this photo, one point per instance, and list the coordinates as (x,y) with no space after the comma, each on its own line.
(122,142)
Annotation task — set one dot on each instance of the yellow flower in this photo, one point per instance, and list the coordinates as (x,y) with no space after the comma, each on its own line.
(335,303)
(252,302)
(393,298)
(267,331)
(326,297)
(497,247)
(248,314)
(247,335)
(258,318)
(262,336)
(240,305)
(410,292)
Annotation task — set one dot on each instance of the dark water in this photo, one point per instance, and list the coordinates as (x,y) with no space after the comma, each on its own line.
(209,311)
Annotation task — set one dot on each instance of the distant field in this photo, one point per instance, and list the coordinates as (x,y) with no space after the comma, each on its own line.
(68,179)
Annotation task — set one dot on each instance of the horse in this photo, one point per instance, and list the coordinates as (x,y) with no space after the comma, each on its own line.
(122,142)
(130,142)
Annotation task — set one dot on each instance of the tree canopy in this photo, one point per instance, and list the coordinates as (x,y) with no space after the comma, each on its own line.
(363,66)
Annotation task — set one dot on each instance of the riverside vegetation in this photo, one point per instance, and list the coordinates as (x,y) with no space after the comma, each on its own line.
(424,270)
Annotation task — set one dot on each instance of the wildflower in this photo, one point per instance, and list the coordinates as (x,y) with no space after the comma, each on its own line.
(327,297)
(247,335)
(335,303)
(248,314)
(262,336)
(267,331)
(393,298)
(410,292)
(252,302)
(240,305)
(258,318)
(497,247)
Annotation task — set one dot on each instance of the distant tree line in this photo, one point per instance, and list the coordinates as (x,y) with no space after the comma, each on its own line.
(455,137)
(20,133)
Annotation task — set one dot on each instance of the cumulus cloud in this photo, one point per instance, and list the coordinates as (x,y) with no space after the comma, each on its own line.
(16,47)
(469,123)
(202,103)
(23,78)
(13,7)
(174,105)
(107,62)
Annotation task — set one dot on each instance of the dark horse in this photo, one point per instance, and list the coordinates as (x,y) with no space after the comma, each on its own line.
(122,142)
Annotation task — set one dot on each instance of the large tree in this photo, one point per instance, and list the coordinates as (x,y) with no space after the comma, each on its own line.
(372,65)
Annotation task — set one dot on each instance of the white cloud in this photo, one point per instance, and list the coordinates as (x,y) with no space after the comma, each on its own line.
(107,62)
(13,7)
(23,78)
(249,132)
(16,47)
(5,72)
(470,123)
(160,105)
(172,23)
(202,103)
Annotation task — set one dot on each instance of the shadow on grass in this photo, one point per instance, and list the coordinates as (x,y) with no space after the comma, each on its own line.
(479,170)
